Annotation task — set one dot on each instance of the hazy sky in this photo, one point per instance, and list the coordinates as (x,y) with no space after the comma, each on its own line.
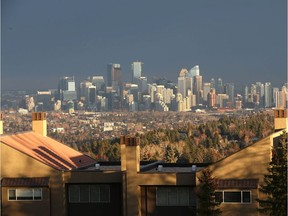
(241,41)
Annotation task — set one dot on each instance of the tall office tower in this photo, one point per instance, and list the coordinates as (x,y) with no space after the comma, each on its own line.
(276,97)
(194,71)
(181,86)
(67,89)
(114,75)
(99,82)
(84,85)
(197,88)
(152,92)
(136,68)
(91,95)
(246,93)
(188,85)
(268,94)
(219,87)
(212,83)
(182,82)
(206,90)
(134,90)
(147,102)
(211,98)
(260,92)
(284,96)
(143,85)
(167,95)
(229,90)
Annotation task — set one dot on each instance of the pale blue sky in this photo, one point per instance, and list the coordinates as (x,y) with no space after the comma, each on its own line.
(241,41)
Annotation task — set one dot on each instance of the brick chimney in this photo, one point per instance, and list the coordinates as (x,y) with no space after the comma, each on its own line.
(39,123)
(1,123)
(130,162)
(130,153)
(280,119)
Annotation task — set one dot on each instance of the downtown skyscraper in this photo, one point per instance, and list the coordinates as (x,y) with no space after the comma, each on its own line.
(136,68)
(114,75)
(67,89)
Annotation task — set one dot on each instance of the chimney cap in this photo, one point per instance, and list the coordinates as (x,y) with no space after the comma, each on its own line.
(130,140)
(38,116)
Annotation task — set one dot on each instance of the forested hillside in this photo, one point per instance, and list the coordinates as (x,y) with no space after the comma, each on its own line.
(206,142)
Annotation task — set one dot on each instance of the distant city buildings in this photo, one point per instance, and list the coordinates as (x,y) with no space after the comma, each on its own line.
(191,92)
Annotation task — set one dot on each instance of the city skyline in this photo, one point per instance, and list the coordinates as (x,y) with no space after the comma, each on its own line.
(241,42)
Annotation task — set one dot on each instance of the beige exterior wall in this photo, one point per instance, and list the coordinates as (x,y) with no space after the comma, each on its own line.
(241,209)
(25,208)
(93,177)
(15,164)
(135,179)
(249,163)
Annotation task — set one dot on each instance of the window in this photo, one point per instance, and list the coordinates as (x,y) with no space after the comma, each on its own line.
(233,196)
(174,196)
(89,193)
(25,194)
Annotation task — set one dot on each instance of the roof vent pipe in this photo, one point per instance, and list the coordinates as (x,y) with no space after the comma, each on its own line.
(97,166)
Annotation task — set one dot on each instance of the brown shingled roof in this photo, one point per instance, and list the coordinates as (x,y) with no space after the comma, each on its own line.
(25,182)
(48,151)
(236,183)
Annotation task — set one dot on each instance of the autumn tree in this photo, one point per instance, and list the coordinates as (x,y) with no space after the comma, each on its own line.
(207,205)
(275,182)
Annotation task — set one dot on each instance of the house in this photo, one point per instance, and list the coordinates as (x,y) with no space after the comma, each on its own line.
(40,176)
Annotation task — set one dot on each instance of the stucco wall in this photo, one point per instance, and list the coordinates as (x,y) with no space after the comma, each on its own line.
(15,164)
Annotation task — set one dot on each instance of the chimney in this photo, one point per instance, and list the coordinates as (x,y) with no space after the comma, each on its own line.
(39,123)
(280,119)
(130,149)
(1,123)
(132,154)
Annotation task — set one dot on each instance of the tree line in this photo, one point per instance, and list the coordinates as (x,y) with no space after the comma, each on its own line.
(206,142)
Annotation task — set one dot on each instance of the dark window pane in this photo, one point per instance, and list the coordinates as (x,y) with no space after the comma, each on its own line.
(192,197)
(104,193)
(183,196)
(74,193)
(219,197)
(12,194)
(37,194)
(232,196)
(94,193)
(161,197)
(84,193)
(172,196)
(246,196)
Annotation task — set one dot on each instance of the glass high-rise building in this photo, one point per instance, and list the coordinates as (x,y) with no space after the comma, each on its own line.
(136,68)
(67,89)
(268,94)
(229,90)
(194,71)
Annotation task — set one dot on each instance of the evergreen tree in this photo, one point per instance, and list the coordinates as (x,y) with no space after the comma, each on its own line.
(275,182)
(207,206)
(170,155)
